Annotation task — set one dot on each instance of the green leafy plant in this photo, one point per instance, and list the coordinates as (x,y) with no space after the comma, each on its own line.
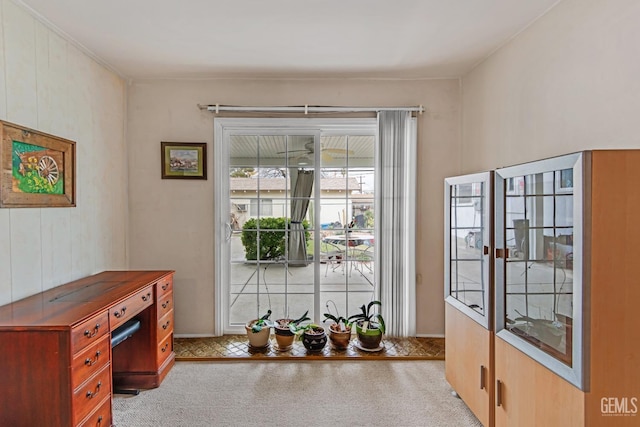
(367,315)
(273,242)
(293,325)
(261,323)
(343,324)
(369,221)
(310,328)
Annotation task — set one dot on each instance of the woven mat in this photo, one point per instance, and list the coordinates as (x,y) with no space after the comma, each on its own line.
(237,347)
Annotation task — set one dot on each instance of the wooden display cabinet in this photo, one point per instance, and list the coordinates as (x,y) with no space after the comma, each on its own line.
(567,233)
(468,291)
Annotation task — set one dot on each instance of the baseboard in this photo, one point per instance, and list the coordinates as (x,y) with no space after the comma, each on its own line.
(195,335)
(212,335)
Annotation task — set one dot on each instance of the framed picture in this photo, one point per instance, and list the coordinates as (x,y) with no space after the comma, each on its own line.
(184,160)
(36,169)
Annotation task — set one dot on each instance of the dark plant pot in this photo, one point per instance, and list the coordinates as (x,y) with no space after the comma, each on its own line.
(284,336)
(339,339)
(369,339)
(314,339)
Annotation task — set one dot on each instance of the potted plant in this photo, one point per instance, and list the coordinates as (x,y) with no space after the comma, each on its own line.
(258,331)
(285,330)
(369,327)
(339,331)
(313,337)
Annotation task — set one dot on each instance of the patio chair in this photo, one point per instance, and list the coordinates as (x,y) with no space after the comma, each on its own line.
(364,256)
(332,255)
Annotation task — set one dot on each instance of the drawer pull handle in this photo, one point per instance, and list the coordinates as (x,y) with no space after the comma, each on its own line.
(146,297)
(164,349)
(166,304)
(166,325)
(89,334)
(91,395)
(482,377)
(120,313)
(498,393)
(165,286)
(90,362)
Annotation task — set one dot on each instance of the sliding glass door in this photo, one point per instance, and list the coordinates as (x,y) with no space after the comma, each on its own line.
(295,218)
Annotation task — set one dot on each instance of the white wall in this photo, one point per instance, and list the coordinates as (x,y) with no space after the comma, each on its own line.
(171,221)
(49,85)
(569,82)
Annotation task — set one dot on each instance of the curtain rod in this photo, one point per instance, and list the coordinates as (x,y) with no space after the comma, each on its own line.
(306,109)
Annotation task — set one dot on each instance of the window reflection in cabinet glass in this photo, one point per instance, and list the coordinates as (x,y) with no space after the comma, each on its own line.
(467,227)
(539,266)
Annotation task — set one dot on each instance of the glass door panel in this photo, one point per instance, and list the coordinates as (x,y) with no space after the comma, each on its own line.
(347,229)
(537,213)
(269,210)
(468,244)
(300,230)
(539,239)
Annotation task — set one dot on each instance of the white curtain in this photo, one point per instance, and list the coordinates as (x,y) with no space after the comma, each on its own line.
(396,217)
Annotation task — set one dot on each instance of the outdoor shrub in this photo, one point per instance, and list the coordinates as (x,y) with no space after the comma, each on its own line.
(273,242)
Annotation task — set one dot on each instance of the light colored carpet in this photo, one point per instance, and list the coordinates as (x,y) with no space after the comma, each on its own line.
(298,393)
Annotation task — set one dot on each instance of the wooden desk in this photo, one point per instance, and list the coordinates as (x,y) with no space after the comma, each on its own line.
(57,366)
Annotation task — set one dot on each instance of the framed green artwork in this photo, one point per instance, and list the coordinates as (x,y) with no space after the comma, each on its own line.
(36,169)
(184,160)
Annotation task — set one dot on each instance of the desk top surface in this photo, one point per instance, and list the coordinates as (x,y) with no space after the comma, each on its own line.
(73,302)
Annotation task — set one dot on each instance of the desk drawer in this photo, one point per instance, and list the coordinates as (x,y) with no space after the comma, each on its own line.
(120,313)
(100,418)
(89,361)
(91,394)
(165,304)
(165,348)
(89,331)
(164,286)
(165,325)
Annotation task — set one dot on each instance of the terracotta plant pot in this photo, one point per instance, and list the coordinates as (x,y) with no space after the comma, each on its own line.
(257,339)
(339,339)
(284,336)
(369,339)
(314,339)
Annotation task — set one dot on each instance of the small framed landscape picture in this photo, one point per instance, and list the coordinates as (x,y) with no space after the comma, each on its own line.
(184,160)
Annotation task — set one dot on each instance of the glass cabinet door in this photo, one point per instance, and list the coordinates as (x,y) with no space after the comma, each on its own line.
(468,237)
(538,217)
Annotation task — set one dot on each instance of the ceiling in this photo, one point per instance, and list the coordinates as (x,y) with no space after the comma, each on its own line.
(336,151)
(290,38)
